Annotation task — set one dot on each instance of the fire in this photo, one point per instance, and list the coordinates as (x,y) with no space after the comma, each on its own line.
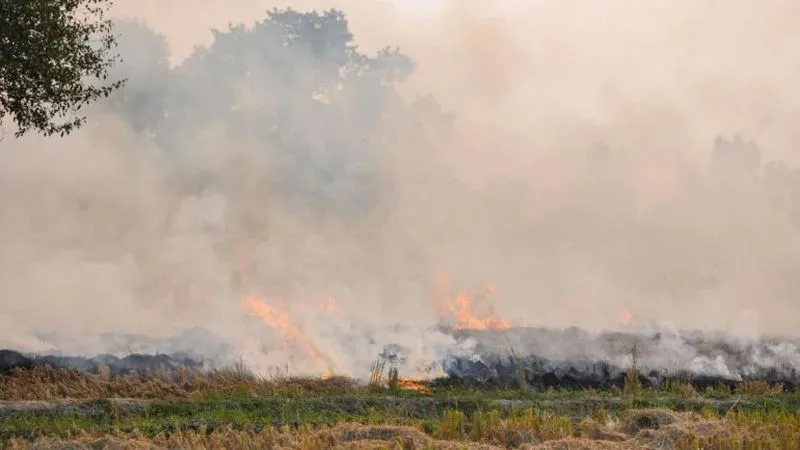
(281,320)
(330,304)
(460,308)
(411,385)
(626,318)
(468,320)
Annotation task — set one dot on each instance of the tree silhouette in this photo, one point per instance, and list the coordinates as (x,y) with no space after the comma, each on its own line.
(52,53)
(294,84)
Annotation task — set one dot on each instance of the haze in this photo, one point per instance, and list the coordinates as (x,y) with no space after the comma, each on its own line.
(580,179)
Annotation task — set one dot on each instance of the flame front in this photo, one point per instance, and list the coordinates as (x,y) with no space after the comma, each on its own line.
(330,303)
(468,320)
(460,309)
(411,385)
(626,318)
(281,320)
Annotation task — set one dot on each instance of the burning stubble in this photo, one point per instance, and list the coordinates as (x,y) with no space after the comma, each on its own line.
(581,178)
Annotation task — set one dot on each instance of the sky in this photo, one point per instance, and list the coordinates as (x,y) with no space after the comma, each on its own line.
(605,65)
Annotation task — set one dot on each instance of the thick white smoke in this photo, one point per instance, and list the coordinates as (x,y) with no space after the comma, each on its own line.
(581,177)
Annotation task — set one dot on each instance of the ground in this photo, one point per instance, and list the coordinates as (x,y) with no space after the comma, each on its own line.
(47,408)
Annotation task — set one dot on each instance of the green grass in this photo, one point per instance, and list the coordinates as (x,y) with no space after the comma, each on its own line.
(309,414)
(245,411)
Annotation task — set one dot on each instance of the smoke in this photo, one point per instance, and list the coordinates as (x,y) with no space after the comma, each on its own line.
(580,174)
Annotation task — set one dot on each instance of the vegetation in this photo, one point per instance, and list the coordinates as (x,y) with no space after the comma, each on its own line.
(52,56)
(231,409)
(320,107)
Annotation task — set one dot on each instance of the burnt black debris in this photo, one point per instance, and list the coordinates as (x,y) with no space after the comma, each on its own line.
(539,358)
(192,349)
(10,359)
(576,359)
(132,364)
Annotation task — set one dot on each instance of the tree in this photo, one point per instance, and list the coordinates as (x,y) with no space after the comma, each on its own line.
(142,101)
(54,59)
(294,85)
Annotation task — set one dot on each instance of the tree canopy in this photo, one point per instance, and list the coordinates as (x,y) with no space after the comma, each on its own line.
(294,84)
(54,60)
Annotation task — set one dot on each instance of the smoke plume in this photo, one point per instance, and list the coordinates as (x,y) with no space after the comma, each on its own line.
(584,160)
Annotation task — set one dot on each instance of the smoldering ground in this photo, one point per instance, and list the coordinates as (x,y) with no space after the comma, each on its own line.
(579,175)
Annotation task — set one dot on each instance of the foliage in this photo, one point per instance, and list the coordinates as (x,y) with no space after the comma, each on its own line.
(376,374)
(393,380)
(243,424)
(51,55)
(142,101)
(297,88)
(633,384)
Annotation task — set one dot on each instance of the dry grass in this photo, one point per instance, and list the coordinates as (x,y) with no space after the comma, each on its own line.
(376,374)
(648,419)
(45,383)
(530,429)
(519,429)
(348,436)
(50,384)
(680,388)
(449,428)
(583,444)
(758,388)
(633,384)
(639,428)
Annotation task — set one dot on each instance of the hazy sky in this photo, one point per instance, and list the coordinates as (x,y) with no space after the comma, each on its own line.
(535,83)
(693,68)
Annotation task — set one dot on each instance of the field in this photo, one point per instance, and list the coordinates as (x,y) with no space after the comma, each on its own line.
(63,408)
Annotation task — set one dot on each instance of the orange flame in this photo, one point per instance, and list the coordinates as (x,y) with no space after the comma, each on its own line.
(330,303)
(626,318)
(460,309)
(281,320)
(411,385)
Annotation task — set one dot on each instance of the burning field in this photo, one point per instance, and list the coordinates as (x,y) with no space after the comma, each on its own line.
(473,379)
(311,376)
(470,346)
(287,234)
(531,397)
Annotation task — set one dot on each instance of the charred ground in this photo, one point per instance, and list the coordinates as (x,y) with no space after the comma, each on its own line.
(563,389)
(535,359)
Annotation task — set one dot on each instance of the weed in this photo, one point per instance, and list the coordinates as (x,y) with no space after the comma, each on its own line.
(235,409)
(681,388)
(519,370)
(633,385)
(394,379)
(376,374)
(758,388)
(452,425)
